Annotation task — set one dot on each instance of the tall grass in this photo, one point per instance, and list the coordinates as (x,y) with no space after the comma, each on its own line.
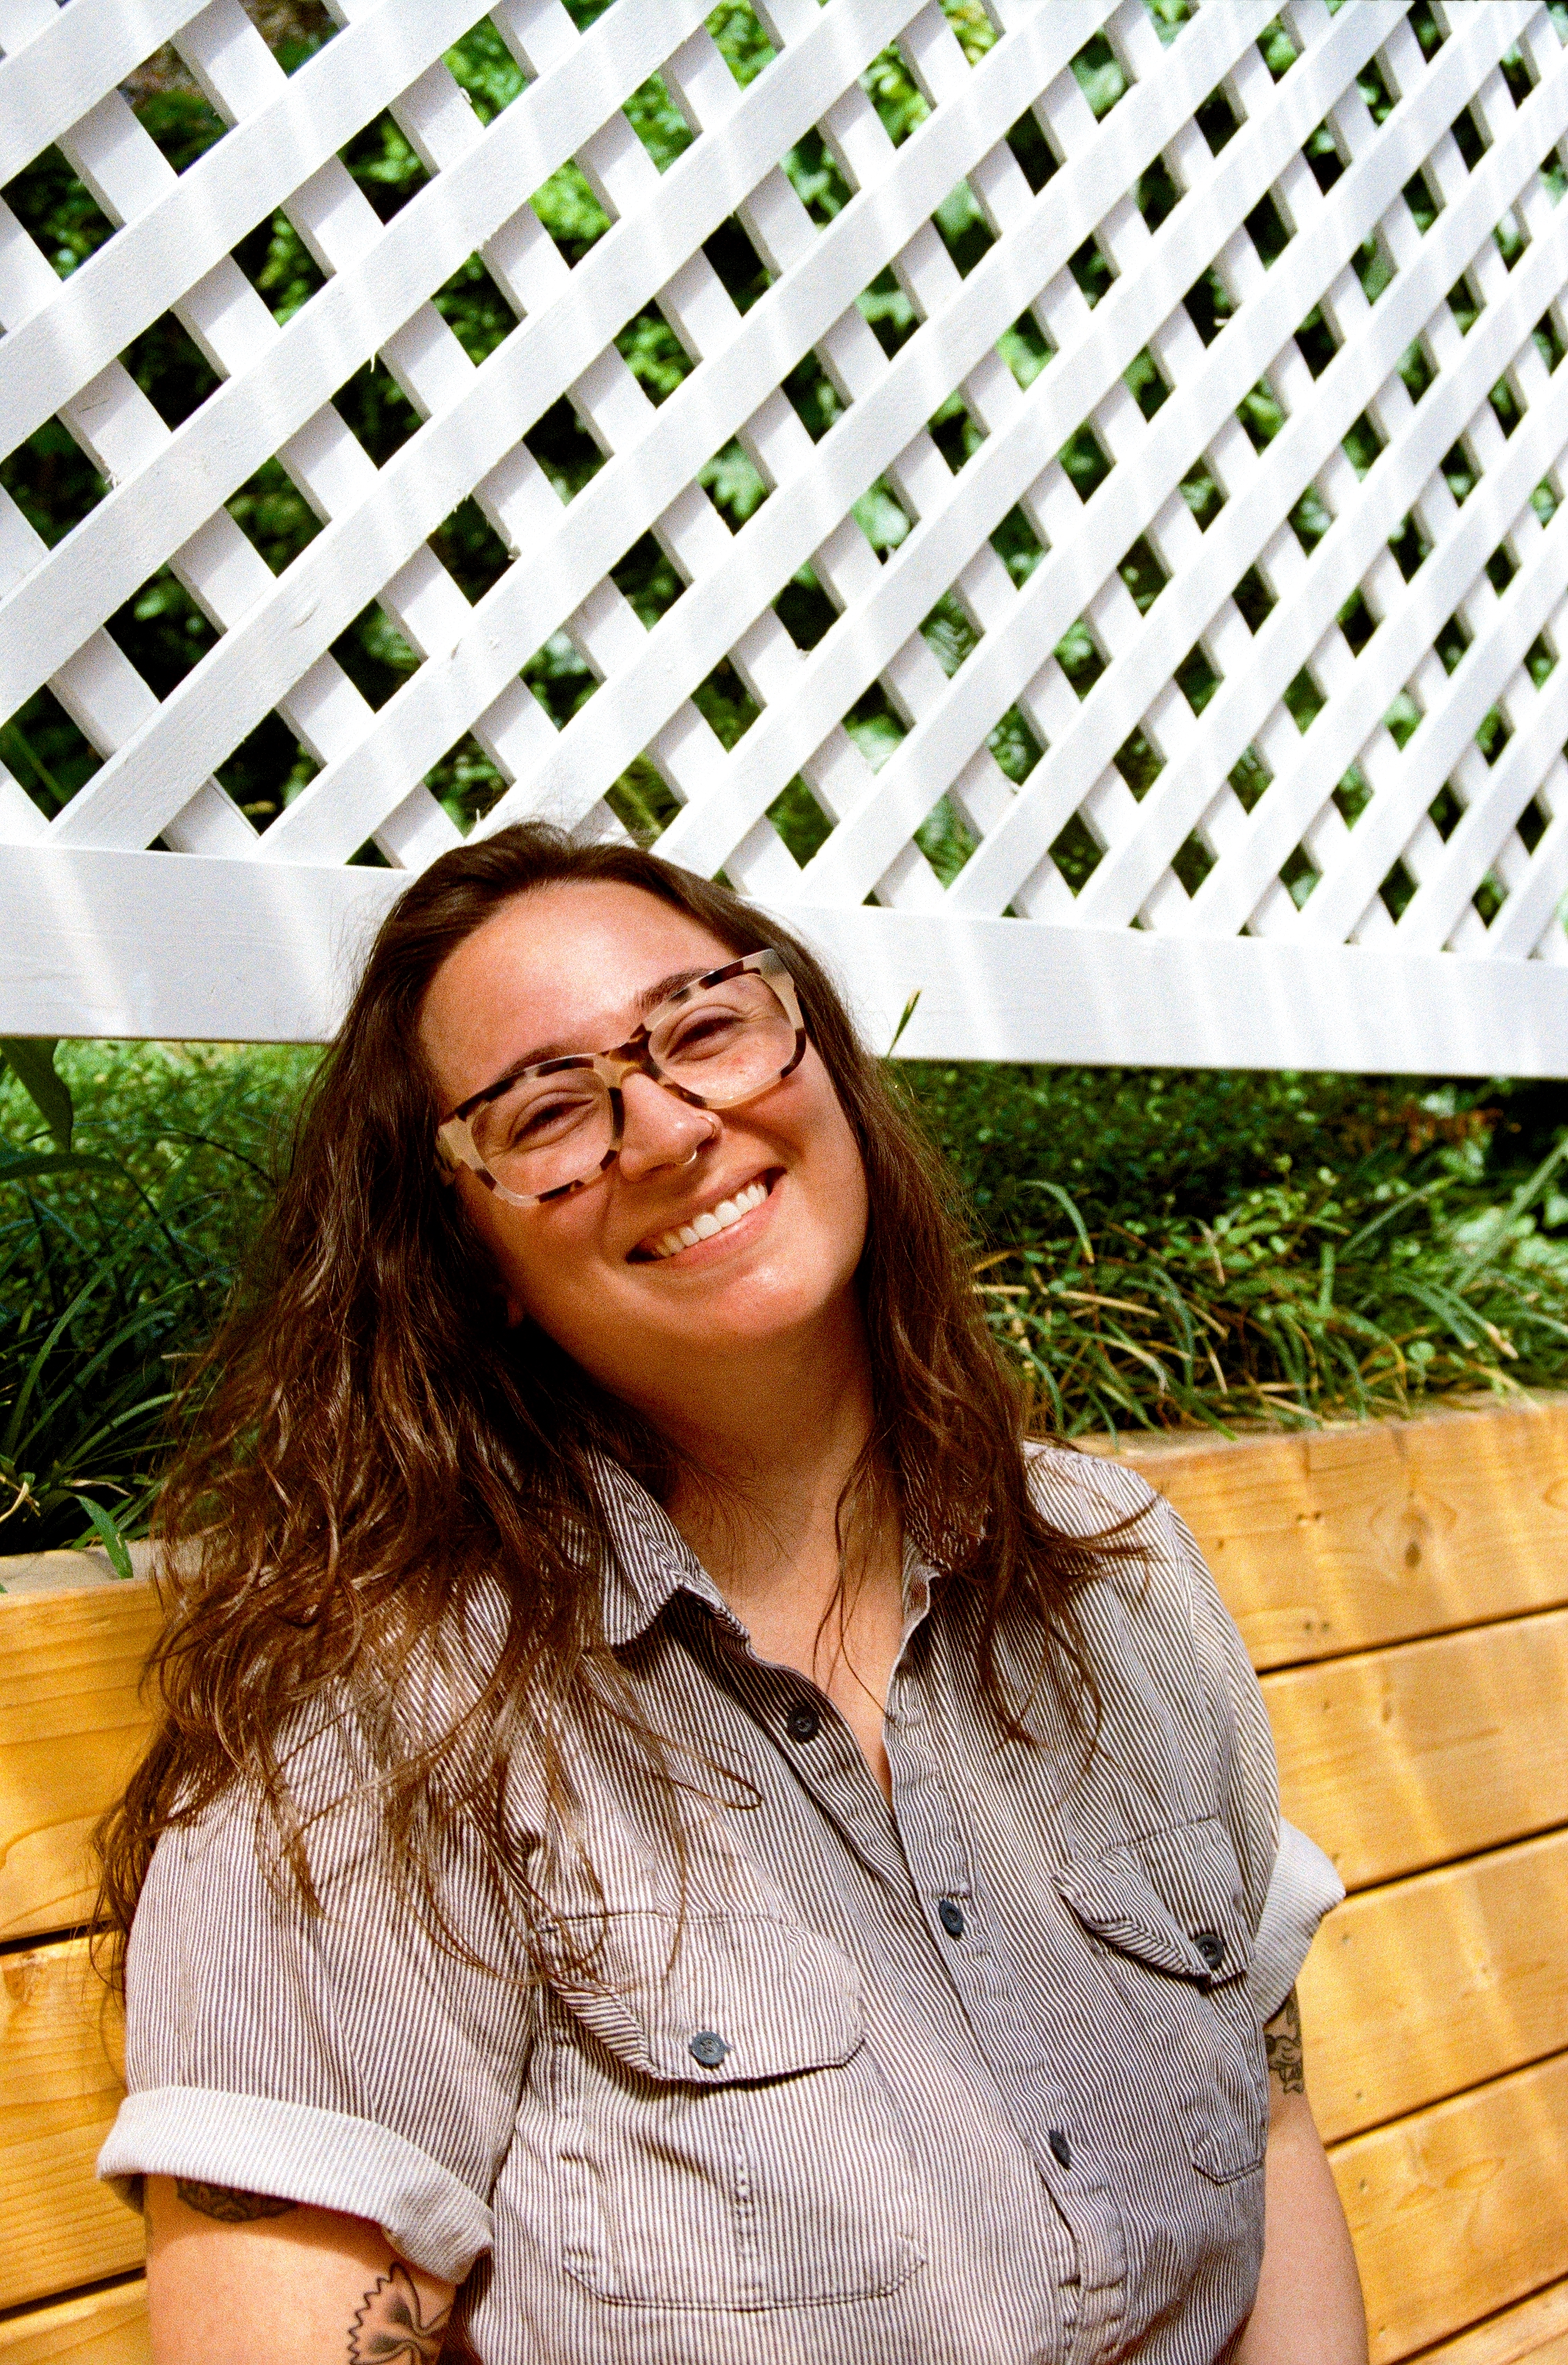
(1166,1250)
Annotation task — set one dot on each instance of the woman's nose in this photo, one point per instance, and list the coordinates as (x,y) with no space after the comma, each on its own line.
(660,1131)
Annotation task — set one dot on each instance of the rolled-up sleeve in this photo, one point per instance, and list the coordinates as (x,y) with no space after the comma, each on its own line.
(1303,1888)
(351,2059)
(1300,1885)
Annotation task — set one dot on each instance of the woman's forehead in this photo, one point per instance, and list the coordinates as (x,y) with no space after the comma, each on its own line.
(563,966)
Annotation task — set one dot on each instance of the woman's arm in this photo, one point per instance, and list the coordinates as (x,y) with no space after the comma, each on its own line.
(238,2278)
(1309,2310)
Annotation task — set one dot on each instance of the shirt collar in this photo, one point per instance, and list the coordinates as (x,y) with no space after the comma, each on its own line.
(651,1562)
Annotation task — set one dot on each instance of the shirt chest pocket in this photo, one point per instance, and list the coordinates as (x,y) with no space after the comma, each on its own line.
(1168,1911)
(724,2139)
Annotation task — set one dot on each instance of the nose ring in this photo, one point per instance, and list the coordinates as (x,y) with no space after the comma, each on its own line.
(697,1153)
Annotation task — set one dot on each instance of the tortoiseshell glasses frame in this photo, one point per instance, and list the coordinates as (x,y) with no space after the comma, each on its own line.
(737,1029)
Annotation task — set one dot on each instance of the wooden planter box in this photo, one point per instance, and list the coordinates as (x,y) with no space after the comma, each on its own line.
(1403,1588)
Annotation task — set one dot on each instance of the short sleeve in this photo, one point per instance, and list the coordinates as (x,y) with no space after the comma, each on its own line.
(1300,1884)
(347,2059)
(1288,1883)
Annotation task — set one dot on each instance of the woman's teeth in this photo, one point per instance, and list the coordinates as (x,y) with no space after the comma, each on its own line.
(715,1220)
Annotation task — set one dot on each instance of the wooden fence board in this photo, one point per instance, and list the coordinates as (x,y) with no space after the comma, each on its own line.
(1347,1539)
(60,2088)
(71,1724)
(1398,1759)
(1459,2209)
(1536,2331)
(103,2328)
(1436,1984)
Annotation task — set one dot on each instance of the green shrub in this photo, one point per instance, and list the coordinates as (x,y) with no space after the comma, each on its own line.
(116,1257)
(1168,1247)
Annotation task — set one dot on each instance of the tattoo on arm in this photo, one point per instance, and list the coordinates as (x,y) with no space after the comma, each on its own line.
(392,2328)
(1281,2043)
(231,2204)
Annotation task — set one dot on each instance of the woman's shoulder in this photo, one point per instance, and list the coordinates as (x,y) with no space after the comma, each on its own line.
(1082,1493)
(1167,1606)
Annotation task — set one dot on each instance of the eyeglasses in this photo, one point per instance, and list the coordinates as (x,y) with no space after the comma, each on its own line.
(538,1132)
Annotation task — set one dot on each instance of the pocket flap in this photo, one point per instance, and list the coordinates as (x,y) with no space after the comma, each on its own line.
(718,2000)
(1192,1924)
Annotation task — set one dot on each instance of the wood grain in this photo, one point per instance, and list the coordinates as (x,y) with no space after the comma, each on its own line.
(1398,1759)
(60,2088)
(69,1666)
(1342,1540)
(1534,2333)
(1437,1983)
(104,2328)
(1460,2208)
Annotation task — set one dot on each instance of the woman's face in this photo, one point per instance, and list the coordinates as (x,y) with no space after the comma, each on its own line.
(576,967)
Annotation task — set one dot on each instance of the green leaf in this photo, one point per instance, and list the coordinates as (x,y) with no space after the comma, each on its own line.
(32,1062)
(17,1166)
(1076,1220)
(909,1010)
(109,1537)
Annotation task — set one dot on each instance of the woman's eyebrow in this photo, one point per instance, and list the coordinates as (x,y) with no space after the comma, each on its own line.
(643,1003)
(660,991)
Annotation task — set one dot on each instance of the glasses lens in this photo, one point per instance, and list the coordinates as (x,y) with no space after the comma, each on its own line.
(544,1131)
(726,1042)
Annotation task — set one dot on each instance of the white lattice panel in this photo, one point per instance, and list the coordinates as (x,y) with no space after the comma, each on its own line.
(1215,709)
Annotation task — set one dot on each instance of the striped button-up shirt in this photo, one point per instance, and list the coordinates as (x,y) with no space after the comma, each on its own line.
(976,2080)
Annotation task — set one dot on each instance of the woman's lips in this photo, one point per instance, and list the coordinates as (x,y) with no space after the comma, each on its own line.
(721,1216)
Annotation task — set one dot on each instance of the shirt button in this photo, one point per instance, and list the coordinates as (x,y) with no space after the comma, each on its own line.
(803,1723)
(708,2047)
(1061,2150)
(1211,1945)
(951,1917)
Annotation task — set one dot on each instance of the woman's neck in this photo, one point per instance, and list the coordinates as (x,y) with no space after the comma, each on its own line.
(761,1506)
(768,1441)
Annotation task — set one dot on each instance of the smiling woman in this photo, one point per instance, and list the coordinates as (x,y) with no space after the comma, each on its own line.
(671,1824)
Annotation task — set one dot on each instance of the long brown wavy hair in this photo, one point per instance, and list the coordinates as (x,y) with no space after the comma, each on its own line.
(366,1442)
